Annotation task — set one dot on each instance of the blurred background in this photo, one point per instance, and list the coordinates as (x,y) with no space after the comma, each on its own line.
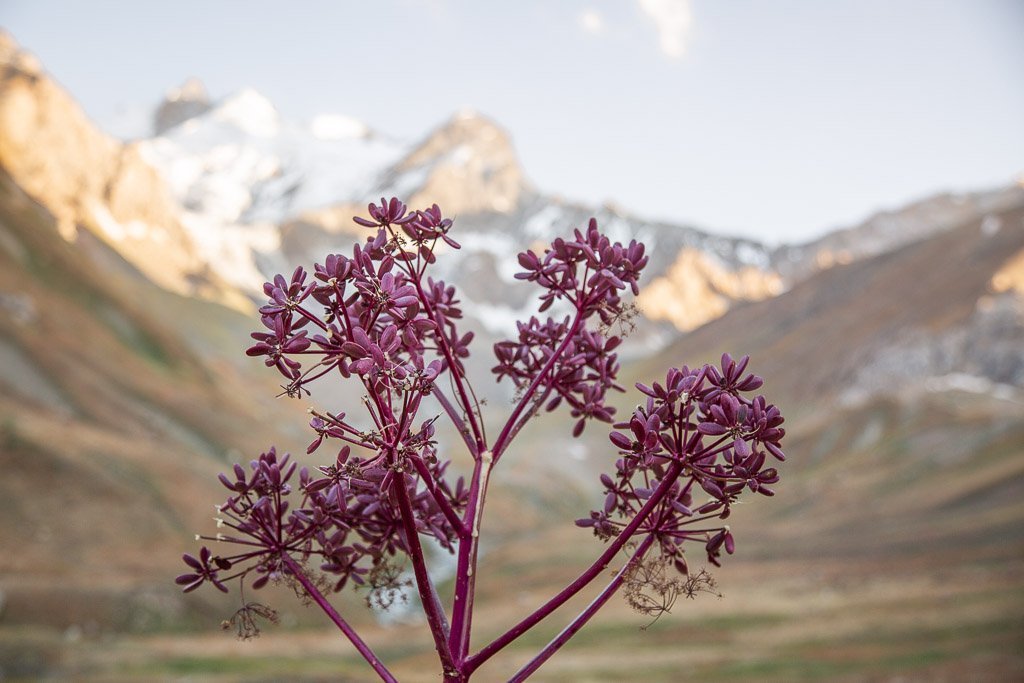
(832,188)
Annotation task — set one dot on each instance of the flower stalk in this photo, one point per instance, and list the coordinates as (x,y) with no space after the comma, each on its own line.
(328,609)
(377,319)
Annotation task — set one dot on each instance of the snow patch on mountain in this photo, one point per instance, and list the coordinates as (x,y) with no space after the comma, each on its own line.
(234,248)
(239,171)
(240,163)
(249,112)
(959,381)
(541,223)
(118,232)
(753,255)
(337,127)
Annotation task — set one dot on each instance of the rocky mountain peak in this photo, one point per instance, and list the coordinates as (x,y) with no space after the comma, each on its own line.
(467,165)
(13,56)
(180,104)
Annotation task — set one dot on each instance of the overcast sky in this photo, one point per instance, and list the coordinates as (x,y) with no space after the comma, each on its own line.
(779,120)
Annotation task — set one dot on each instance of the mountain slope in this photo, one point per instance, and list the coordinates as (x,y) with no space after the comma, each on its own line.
(826,334)
(119,403)
(90,182)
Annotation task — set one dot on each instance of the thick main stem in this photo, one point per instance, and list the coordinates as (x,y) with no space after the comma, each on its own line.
(465,583)
(343,625)
(580,621)
(472,663)
(428,594)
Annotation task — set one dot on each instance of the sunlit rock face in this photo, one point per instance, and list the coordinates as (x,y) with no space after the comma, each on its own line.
(698,288)
(1010,278)
(90,181)
(468,165)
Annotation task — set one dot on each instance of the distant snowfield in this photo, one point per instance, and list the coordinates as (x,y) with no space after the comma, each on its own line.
(240,170)
(239,162)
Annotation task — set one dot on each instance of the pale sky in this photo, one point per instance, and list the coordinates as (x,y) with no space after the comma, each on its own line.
(777,120)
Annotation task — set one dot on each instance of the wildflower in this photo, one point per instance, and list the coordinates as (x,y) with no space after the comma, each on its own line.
(201,572)
(388,213)
(686,453)
(700,418)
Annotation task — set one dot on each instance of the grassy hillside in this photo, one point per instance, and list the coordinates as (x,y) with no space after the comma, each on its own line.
(120,402)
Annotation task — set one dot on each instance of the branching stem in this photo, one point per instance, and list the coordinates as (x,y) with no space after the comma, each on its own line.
(580,621)
(584,579)
(328,608)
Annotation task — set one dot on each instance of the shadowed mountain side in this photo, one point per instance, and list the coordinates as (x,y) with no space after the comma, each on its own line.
(119,403)
(813,341)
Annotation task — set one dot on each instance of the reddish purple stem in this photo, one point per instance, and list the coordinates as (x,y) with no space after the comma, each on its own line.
(584,579)
(343,625)
(580,621)
(428,595)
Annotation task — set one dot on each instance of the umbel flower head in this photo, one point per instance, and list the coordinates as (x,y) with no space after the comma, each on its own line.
(702,428)
(589,272)
(355,516)
(366,317)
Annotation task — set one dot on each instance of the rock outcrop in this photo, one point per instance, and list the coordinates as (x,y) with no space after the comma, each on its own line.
(468,165)
(90,181)
(181,104)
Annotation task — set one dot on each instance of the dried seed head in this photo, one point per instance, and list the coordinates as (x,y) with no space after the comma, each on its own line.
(244,621)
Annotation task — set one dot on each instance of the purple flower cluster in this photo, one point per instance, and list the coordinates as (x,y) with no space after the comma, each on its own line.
(574,363)
(376,319)
(582,375)
(590,271)
(697,436)
(365,316)
(374,322)
(343,514)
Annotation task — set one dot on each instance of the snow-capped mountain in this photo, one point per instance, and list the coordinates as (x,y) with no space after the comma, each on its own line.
(228,193)
(261,194)
(239,162)
(238,170)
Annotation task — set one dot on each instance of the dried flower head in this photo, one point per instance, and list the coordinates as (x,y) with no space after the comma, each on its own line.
(245,621)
